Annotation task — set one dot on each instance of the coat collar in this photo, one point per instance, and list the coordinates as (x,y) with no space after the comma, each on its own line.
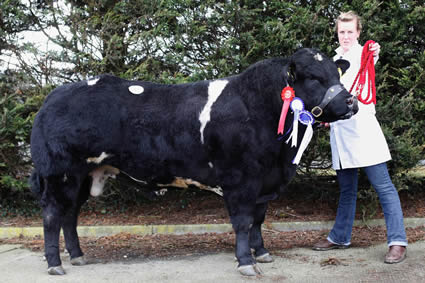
(353,50)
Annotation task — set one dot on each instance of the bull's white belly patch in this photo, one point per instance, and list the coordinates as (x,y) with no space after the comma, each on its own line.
(92,81)
(99,159)
(136,89)
(215,88)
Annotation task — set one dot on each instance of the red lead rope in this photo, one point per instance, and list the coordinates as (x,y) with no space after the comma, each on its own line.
(366,66)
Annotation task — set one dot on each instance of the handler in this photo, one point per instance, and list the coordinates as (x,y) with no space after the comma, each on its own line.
(359,143)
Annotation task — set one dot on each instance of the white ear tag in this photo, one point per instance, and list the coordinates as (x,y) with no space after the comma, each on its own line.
(136,89)
(297,105)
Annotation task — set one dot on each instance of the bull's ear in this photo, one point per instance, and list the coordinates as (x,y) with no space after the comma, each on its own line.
(342,66)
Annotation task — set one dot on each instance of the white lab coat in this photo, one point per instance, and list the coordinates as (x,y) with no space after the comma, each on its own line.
(358,141)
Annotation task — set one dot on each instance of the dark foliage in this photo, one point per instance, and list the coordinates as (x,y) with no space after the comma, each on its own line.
(187,40)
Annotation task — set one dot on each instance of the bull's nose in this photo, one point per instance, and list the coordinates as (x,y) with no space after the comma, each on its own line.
(355,105)
(350,100)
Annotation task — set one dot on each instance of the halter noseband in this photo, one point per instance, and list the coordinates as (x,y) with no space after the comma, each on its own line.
(330,94)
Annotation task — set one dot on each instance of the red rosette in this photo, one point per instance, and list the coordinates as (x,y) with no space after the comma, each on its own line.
(287,95)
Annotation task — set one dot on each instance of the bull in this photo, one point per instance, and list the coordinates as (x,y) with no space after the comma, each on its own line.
(221,133)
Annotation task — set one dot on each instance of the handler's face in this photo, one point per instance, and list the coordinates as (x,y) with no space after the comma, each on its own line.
(347,34)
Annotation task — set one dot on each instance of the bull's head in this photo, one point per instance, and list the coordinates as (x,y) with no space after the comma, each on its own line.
(315,79)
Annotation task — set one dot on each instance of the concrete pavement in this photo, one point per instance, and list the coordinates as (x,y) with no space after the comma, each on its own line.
(294,265)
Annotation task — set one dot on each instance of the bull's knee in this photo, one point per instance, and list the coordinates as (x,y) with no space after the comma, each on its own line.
(49,220)
(242,223)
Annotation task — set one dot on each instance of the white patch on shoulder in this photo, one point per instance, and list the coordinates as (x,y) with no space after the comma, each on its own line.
(318,57)
(136,89)
(211,165)
(92,81)
(99,159)
(215,88)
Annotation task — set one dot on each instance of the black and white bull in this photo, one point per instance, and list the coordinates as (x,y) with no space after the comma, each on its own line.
(222,133)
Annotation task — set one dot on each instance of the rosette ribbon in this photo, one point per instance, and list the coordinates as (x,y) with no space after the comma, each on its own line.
(287,95)
(297,105)
(307,119)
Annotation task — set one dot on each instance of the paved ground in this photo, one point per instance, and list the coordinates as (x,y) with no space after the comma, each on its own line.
(295,265)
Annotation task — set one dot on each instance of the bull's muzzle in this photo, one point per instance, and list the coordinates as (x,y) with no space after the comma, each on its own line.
(353,106)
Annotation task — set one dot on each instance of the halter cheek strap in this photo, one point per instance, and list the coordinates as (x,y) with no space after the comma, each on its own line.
(330,94)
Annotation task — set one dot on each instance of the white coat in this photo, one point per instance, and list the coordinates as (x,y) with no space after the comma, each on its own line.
(358,141)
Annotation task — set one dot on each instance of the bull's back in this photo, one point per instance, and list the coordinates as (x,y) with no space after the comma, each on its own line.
(80,120)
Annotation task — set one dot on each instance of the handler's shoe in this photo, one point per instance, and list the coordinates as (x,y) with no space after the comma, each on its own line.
(325,245)
(396,254)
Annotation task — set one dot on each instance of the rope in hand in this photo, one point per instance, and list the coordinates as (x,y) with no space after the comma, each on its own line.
(367,66)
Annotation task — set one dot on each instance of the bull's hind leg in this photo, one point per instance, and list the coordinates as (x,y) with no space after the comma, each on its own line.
(70,220)
(241,210)
(52,221)
(255,237)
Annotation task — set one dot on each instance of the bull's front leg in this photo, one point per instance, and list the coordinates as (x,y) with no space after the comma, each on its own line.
(241,210)
(255,237)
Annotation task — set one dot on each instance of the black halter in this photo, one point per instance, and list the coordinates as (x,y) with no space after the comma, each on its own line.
(331,93)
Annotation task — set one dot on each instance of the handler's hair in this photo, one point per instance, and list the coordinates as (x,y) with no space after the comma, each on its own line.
(348,17)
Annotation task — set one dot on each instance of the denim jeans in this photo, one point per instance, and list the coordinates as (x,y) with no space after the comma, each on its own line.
(388,196)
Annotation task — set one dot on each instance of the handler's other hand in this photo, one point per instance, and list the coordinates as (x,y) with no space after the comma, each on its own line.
(376,48)
(321,125)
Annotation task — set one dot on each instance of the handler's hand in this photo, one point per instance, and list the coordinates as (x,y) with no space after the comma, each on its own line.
(376,48)
(321,125)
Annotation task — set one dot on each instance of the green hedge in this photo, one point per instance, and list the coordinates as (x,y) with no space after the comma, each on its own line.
(175,41)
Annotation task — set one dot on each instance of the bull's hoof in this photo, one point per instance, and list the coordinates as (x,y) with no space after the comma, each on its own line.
(265,258)
(79,261)
(56,270)
(249,270)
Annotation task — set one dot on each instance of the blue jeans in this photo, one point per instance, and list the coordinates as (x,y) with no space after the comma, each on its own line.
(388,196)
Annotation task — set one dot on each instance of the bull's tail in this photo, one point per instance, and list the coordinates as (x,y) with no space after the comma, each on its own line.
(36,184)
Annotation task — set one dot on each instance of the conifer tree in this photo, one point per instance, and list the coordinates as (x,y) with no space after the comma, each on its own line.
(173,41)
